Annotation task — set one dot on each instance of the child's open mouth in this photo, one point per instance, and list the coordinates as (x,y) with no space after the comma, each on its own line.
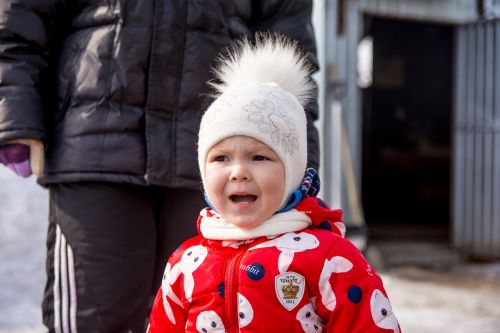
(246,198)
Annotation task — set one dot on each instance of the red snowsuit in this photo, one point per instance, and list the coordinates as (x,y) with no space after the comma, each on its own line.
(312,280)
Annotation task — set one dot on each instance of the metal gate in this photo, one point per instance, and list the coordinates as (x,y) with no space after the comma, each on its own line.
(476,167)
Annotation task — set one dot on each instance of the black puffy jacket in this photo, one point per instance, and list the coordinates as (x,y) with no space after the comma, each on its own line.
(116,88)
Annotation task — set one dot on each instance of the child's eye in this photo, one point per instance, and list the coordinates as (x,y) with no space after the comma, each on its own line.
(260,158)
(220,158)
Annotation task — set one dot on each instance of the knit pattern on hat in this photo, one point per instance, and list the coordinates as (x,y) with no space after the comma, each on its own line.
(261,92)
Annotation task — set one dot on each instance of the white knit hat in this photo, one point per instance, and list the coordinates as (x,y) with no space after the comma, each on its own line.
(262,92)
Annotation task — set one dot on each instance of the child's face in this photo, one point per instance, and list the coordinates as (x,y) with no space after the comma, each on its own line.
(244,180)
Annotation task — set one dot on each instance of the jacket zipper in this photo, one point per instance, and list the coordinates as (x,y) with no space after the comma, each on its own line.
(231,278)
(154,43)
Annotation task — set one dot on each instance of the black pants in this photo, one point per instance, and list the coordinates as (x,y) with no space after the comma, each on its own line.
(107,246)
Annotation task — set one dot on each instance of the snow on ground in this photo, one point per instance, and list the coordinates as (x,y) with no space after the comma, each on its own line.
(464,298)
(23,224)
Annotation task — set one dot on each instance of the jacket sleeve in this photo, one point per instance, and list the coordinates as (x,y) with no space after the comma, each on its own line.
(351,297)
(292,18)
(168,314)
(25,27)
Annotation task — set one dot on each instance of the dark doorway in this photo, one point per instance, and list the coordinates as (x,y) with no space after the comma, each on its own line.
(407,130)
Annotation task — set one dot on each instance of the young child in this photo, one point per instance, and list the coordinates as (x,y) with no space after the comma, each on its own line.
(270,256)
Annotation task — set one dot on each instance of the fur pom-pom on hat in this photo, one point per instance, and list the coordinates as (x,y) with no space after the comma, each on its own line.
(273,58)
(261,92)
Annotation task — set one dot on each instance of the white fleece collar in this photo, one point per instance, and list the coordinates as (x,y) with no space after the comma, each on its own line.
(212,226)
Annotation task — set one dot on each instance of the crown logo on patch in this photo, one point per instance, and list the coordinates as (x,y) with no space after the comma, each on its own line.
(290,290)
(289,287)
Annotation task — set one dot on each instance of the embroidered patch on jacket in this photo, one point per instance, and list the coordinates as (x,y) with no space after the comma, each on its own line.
(289,289)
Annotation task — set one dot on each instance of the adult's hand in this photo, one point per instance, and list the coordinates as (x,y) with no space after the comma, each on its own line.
(24,157)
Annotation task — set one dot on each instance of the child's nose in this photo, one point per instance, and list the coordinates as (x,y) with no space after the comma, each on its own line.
(239,173)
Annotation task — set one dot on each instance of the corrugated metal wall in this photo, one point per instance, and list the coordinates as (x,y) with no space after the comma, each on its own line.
(476,167)
(443,11)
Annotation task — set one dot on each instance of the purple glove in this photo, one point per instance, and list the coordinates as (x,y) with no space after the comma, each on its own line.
(16,157)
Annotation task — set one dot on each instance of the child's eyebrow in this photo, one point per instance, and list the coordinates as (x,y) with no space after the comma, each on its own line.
(219,150)
(265,148)
(260,145)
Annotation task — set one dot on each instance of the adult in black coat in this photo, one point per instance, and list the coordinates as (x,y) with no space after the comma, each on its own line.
(107,96)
